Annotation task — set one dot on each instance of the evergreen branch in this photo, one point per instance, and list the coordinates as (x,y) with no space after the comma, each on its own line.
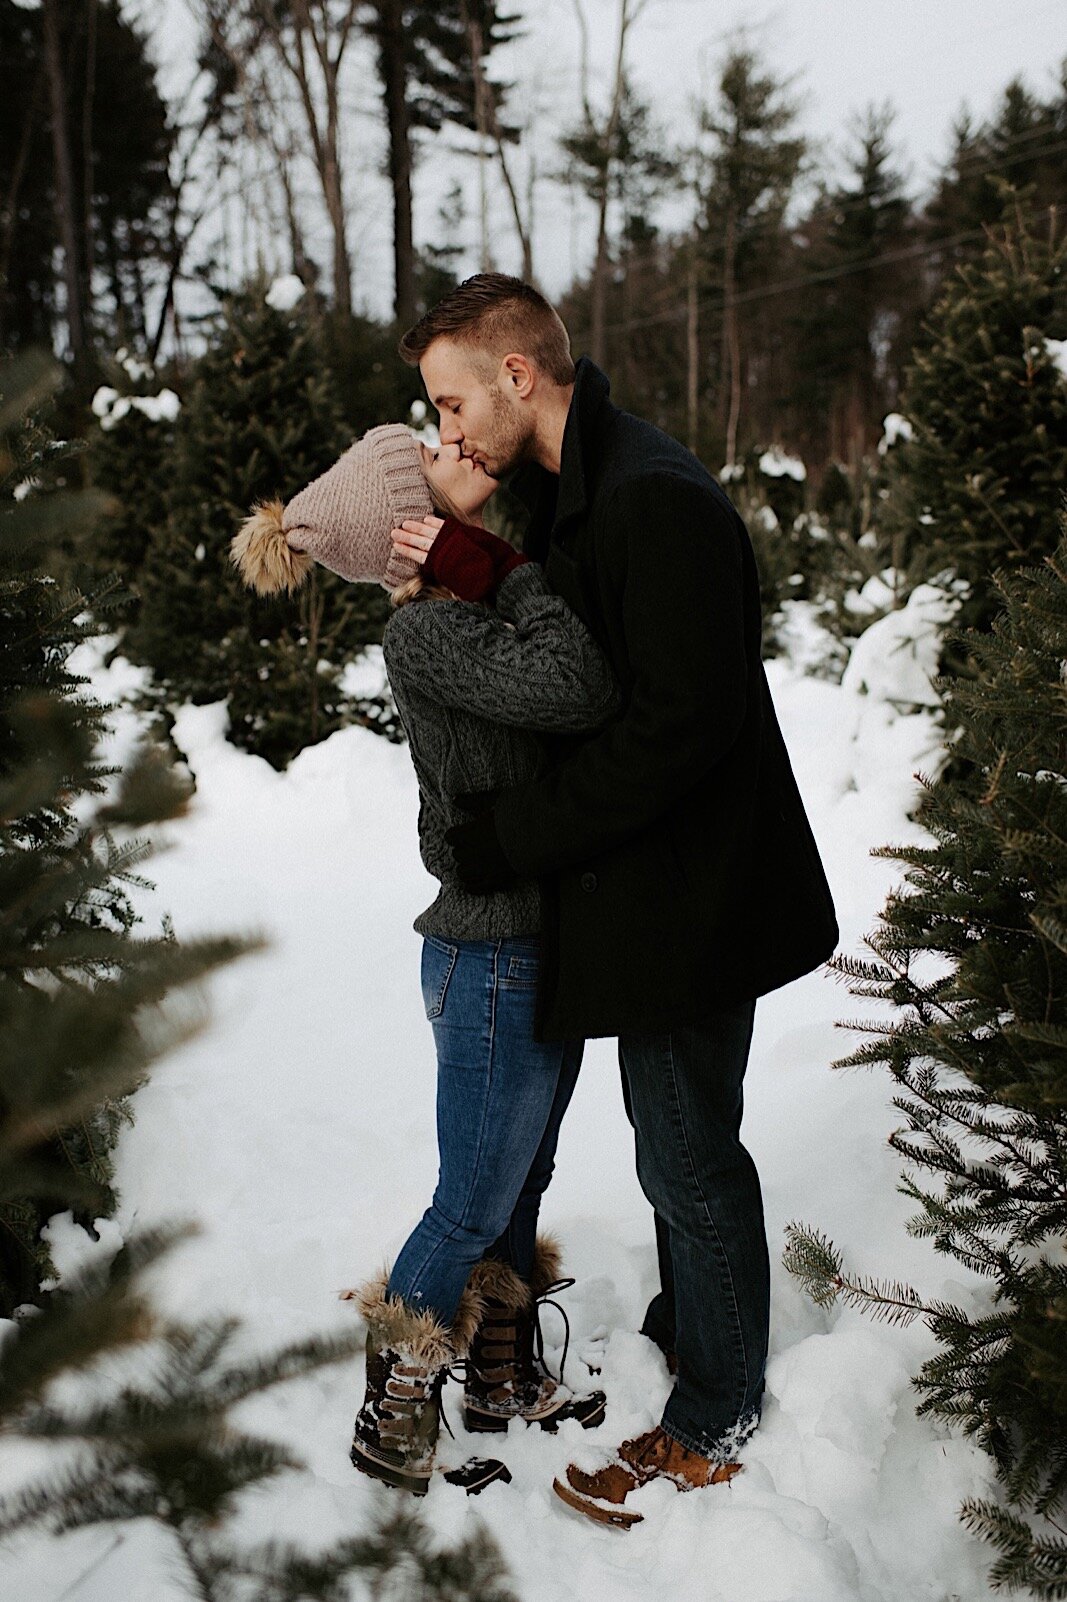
(1026,1561)
(96,1309)
(396,1557)
(812,1258)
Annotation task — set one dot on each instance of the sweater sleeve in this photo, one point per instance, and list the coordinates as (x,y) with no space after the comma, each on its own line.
(675,559)
(531,663)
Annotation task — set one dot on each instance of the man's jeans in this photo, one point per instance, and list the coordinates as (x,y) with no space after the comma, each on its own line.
(683,1094)
(501,1097)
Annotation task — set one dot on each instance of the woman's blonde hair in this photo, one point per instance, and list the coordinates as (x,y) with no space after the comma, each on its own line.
(417,588)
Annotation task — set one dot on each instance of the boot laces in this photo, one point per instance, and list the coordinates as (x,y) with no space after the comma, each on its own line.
(545,1299)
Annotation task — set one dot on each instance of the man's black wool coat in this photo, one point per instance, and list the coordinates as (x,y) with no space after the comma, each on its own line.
(677,866)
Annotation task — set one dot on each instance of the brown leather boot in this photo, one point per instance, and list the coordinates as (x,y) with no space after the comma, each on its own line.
(654,1455)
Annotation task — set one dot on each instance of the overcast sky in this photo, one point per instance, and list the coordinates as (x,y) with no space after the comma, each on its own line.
(927,57)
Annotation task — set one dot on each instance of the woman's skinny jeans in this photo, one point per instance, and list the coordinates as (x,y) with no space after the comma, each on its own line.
(501,1097)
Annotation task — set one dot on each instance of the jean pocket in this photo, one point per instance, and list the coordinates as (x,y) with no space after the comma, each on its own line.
(520,971)
(438,961)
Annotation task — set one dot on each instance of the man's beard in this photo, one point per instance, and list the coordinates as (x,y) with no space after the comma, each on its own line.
(510,442)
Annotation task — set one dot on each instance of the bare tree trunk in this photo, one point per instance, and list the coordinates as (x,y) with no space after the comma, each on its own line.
(523,229)
(692,345)
(392,53)
(65,203)
(628,10)
(732,337)
(87,141)
(10,209)
(315,604)
(303,266)
(138,295)
(313,24)
(600,280)
(475,45)
(488,124)
(269,127)
(335,206)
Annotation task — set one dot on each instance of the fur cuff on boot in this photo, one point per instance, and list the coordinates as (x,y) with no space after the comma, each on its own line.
(422,1336)
(499,1282)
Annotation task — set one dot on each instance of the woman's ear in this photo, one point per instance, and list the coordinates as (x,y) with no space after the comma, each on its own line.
(262,554)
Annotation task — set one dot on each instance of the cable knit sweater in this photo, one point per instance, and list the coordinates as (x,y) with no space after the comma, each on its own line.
(481,694)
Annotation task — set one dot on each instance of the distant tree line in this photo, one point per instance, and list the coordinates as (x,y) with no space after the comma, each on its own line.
(784,312)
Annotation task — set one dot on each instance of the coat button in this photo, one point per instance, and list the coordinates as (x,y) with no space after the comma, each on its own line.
(588,881)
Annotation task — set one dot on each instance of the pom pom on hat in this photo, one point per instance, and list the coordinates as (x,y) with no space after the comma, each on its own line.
(262,554)
(343,519)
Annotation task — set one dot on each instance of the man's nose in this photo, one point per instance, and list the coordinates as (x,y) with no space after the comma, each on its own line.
(450,432)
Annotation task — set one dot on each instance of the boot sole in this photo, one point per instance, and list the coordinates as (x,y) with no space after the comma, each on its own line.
(478,1423)
(617,1518)
(497,1423)
(388,1473)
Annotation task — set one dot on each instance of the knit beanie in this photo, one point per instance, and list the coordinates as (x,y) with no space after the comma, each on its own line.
(342,519)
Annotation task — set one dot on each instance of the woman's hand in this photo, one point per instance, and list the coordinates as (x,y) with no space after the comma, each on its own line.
(413,539)
(469,561)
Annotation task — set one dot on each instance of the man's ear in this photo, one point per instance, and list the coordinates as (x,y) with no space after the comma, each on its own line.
(516,374)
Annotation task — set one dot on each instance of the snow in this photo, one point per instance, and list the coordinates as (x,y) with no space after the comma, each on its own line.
(1057,350)
(895,428)
(298,1129)
(776,463)
(133,366)
(109,406)
(284,293)
(876,595)
(366,676)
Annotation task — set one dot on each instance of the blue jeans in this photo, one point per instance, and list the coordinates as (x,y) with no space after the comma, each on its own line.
(684,1097)
(501,1097)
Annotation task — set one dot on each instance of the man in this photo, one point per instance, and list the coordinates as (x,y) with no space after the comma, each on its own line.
(680,878)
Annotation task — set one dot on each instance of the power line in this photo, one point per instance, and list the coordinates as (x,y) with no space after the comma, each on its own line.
(826,209)
(647,254)
(746,297)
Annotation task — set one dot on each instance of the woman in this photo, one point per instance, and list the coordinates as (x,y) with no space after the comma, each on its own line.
(484,663)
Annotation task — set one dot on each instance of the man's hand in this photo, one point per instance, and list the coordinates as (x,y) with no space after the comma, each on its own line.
(481,865)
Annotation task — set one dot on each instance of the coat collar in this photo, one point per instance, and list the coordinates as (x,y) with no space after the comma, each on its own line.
(568,493)
(591,390)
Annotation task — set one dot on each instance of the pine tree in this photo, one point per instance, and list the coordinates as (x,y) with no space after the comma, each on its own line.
(753,162)
(86,906)
(978,485)
(82,1019)
(132,450)
(978,1050)
(1021,144)
(260,417)
(119,139)
(846,324)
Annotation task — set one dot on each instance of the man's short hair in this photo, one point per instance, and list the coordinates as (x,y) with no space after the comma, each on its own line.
(494,313)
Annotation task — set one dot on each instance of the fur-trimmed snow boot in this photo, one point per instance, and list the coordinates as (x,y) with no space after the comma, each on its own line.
(408,1358)
(504,1377)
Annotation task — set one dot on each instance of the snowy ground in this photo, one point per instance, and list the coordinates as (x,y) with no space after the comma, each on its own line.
(299,1130)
